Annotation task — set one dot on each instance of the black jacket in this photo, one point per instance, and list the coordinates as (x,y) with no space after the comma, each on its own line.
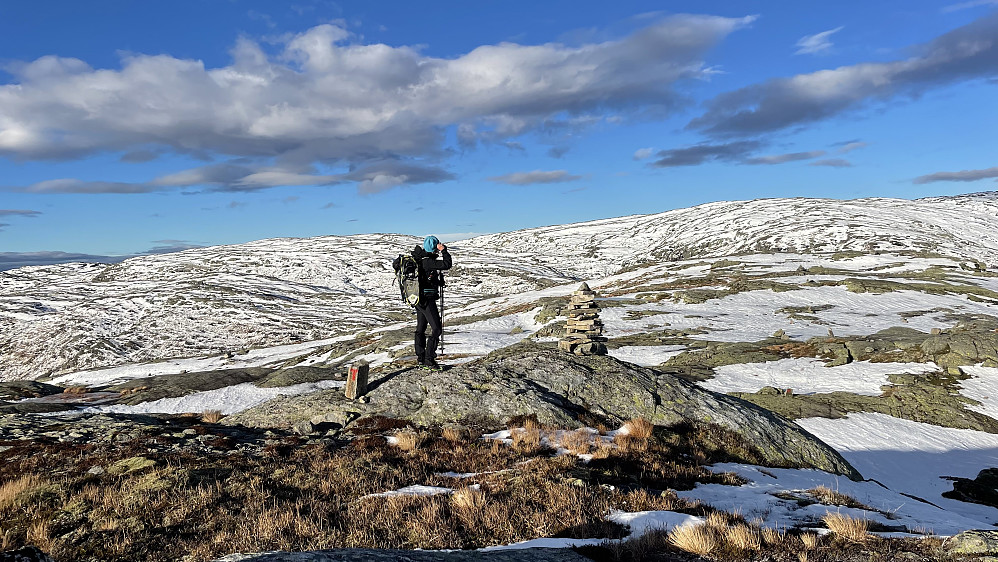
(430,268)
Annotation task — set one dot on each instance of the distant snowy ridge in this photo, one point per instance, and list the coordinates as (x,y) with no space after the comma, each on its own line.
(963,227)
(62,318)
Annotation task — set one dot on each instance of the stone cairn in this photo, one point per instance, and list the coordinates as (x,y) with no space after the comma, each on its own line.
(583,330)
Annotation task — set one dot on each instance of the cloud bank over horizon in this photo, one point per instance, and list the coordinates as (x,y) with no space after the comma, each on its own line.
(325,102)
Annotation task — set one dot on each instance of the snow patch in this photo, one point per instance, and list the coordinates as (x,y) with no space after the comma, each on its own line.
(809,376)
(229,400)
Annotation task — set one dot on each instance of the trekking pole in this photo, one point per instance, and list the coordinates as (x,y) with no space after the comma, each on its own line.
(441,313)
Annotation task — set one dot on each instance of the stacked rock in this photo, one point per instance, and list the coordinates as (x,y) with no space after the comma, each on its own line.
(583,330)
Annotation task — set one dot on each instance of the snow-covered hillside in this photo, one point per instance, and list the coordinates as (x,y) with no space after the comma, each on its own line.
(55,319)
(963,227)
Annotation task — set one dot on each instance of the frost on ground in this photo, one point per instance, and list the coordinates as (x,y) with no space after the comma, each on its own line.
(754,315)
(809,376)
(228,400)
(253,358)
(773,495)
(416,490)
(647,355)
(912,457)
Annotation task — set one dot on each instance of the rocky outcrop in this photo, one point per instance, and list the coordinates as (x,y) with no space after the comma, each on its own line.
(26,554)
(561,389)
(974,543)
(931,398)
(16,390)
(982,490)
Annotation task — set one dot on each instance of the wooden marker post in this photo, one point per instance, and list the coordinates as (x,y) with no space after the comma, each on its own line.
(357,380)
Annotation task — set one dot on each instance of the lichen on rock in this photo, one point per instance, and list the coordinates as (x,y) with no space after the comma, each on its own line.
(561,389)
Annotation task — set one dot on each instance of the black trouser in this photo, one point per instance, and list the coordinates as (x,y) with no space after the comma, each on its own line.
(427,314)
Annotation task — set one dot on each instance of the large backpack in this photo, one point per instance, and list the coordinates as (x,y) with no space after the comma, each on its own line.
(407,276)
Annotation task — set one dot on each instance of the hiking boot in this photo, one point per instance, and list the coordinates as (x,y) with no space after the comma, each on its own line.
(432,365)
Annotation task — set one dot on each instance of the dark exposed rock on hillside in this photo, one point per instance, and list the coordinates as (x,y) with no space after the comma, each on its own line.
(982,490)
(16,390)
(560,389)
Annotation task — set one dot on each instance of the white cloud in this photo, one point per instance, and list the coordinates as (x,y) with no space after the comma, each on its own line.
(963,175)
(536,176)
(325,99)
(817,43)
(832,163)
(966,53)
(642,153)
(783,158)
(850,146)
(970,4)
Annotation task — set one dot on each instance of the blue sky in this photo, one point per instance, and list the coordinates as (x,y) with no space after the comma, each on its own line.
(133,127)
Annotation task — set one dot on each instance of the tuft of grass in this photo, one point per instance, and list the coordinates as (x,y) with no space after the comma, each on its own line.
(371,425)
(468,501)
(773,537)
(810,540)
(850,528)
(642,500)
(639,428)
(75,390)
(455,434)
(11,492)
(701,540)
(39,535)
(578,442)
(744,537)
(527,440)
(717,520)
(211,416)
(627,443)
(828,496)
(408,440)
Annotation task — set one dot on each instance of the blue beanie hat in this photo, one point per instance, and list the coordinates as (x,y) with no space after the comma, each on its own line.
(430,244)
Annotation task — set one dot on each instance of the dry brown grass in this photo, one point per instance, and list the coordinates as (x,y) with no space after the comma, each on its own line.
(810,540)
(847,527)
(744,537)
(39,535)
(408,440)
(577,442)
(803,557)
(468,501)
(828,496)
(717,520)
(643,500)
(75,390)
(773,537)
(639,427)
(455,434)
(627,443)
(527,440)
(307,496)
(12,493)
(211,416)
(701,540)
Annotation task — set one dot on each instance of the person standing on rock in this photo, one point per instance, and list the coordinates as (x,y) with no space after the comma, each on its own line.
(432,259)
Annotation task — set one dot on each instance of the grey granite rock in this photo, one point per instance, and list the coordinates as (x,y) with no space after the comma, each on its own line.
(560,389)
(974,542)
